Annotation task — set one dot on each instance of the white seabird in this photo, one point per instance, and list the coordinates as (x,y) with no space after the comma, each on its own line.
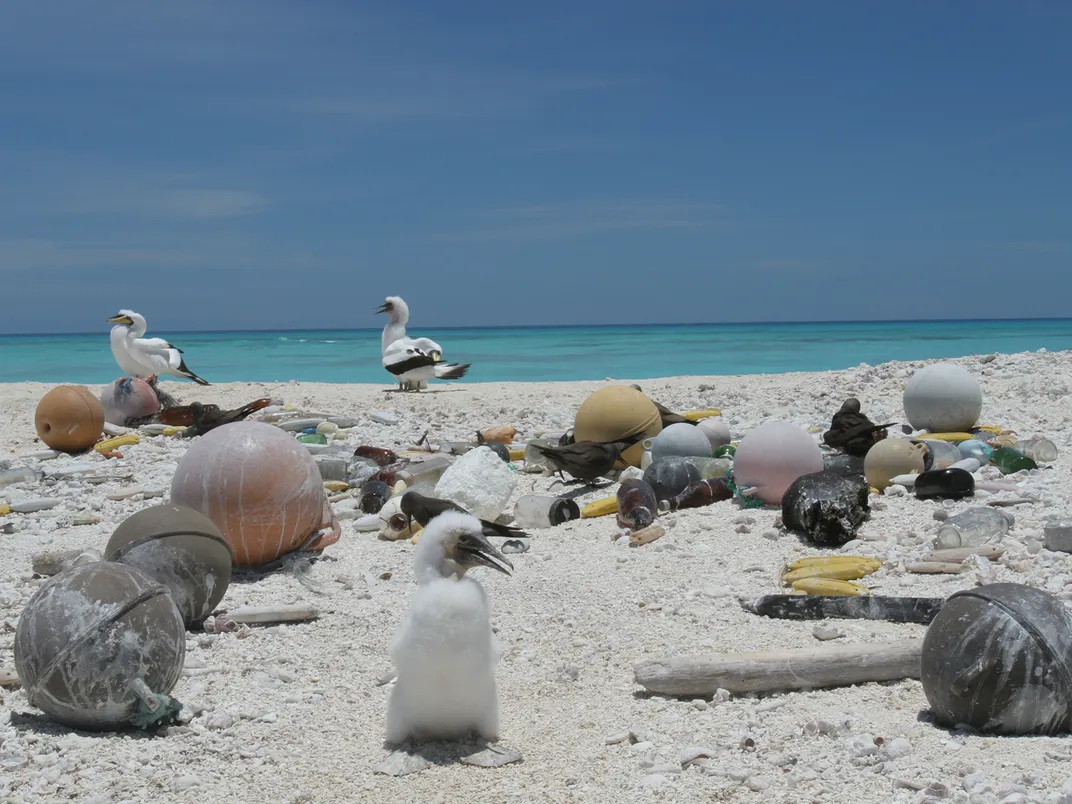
(412,361)
(444,653)
(146,358)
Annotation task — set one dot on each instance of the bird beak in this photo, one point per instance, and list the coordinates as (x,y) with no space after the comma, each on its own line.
(383,308)
(436,356)
(120,319)
(479,551)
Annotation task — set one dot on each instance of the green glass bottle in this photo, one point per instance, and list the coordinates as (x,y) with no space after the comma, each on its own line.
(313,438)
(1010,460)
(725,451)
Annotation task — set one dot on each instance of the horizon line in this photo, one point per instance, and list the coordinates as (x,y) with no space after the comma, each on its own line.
(568,326)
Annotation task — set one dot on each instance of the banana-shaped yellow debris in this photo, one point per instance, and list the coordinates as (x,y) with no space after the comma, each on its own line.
(607,505)
(830,587)
(828,561)
(841,571)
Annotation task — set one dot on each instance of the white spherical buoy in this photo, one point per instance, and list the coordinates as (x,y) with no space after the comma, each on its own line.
(943,398)
(716,430)
(772,456)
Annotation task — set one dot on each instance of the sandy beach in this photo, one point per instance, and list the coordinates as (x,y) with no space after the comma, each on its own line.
(294,713)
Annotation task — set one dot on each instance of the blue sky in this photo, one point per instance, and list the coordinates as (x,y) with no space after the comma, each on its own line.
(261,164)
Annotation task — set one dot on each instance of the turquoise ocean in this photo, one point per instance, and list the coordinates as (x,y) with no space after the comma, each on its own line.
(543,353)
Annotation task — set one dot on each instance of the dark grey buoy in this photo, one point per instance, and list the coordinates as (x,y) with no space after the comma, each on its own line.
(998,658)
(182,549)
(100,647)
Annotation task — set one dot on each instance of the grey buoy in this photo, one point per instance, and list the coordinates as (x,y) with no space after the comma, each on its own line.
(998,658)
(100,647)
(182,549)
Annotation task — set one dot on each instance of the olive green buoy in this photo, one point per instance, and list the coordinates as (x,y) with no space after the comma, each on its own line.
(182,549)
(100,646)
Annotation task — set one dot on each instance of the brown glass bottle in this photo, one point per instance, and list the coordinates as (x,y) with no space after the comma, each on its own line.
(636,504)
(381,456)
(700,494)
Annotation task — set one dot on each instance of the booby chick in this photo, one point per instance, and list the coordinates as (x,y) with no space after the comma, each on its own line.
(444,653)
(852,432)
(412,361)
(587,460)
(424,509)
(146,358)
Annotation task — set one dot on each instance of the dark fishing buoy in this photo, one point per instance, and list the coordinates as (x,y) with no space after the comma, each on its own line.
(182,549)
(826,507)
(100,647)
(670,476)
(997,658)
(948,484)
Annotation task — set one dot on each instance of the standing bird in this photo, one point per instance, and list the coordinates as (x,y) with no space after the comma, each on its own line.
(146,358)
(587,460)
(444,653)
(852,431)
(424,509)
(412,361)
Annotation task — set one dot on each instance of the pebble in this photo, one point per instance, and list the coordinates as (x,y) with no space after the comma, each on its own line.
(186,782)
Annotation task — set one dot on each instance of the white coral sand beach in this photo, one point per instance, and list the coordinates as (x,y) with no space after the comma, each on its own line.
(293,713)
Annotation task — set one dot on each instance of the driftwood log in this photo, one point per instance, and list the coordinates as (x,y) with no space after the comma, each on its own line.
(777,671)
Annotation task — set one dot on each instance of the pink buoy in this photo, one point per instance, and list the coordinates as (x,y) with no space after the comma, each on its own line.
(128,398)
(771,457)
(260,487)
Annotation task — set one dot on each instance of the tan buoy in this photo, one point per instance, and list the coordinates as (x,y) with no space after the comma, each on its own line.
(69,418)
(614,413)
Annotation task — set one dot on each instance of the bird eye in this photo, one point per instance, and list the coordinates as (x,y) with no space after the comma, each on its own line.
(398,522)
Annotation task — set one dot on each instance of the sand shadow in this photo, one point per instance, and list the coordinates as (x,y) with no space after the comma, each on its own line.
(44,725)
(414,758)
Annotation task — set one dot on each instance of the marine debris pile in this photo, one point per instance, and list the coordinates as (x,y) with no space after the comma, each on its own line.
(229,559)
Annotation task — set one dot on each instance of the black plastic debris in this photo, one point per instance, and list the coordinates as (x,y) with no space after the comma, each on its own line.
(825,507)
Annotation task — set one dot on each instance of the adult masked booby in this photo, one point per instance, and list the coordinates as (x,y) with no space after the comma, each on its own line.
(444,653)
(146,358)
(412,361)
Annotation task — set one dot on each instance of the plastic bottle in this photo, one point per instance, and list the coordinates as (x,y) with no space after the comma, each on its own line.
(636,504)
(540,511)
(1040,450)
(1010,461)
(972,528)
(940,454)
(534,460)
(700,494)
(974,448)
(967,464)
(18,474)
(710,467)
(426,471)
(379,455)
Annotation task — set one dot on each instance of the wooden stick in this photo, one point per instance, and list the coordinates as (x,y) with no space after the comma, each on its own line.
(936,568)
(646,536)
(773,671)
(958,554)
(273,614)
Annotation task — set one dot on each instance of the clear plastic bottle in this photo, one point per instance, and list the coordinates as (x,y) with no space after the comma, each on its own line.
(973,527)
(534,460)
(540,511)
(1040,450)
(941,454)
(426,471)
(18,474)
(710,467)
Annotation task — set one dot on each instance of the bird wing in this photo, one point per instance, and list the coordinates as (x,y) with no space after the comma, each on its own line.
(403,355)
(157,349)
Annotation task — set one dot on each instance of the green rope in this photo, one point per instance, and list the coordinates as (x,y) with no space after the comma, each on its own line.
(746,502)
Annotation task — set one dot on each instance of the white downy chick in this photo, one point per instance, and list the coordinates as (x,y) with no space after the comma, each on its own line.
(445,653)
